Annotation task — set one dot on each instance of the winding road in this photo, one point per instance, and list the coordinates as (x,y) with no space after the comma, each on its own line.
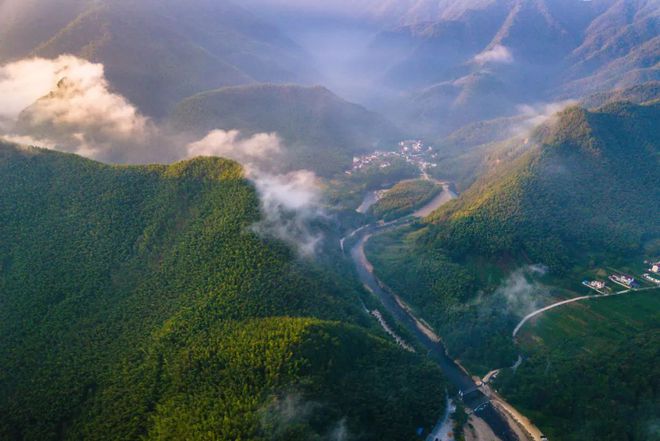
(504,420)
(531,315)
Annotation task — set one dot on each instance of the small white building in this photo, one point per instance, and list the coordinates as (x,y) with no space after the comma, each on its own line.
(655,268)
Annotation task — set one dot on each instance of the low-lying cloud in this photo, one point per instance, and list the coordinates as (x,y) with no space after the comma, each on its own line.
(537,114)
(67,103)
(497,54)
(521,292)
(291,411)
(257,151)
(290,202)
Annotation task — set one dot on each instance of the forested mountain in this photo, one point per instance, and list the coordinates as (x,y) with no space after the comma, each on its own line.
(157,53)
(138,303)
(639,94)
(321,131)
(583,194)
(208,299)
(523,207)
(46,19)
(481,59)
(431,67)
(479,148)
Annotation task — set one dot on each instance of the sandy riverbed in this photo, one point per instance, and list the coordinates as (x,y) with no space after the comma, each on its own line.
(477,430)
(442,198)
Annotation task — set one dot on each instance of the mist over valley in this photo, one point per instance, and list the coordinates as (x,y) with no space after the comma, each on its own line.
(350,220)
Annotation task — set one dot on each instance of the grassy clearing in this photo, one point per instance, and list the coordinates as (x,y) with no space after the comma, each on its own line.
(590,369)
(594,323)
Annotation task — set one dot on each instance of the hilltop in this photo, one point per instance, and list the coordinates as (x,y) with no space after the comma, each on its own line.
(157,53)
(320,130)
(580,194)
(596,168)
(138,303)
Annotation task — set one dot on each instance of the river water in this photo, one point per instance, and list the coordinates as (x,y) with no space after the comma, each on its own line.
(369,199)
(442,198)
(436,351)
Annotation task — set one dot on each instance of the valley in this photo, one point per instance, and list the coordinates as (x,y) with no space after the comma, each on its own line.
(382,254)
(484,404)
(430,341)
(302,220)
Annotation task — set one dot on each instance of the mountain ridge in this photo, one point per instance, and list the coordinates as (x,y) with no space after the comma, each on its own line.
(138,303)
(320,130)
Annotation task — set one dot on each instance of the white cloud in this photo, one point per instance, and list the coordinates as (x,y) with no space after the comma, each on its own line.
(67,102)
(534,115)
(255,150)
(521,292)
(23,82)
(497,54)
(29,141)
(290,202)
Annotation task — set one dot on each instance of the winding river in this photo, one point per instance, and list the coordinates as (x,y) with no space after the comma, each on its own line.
(472,396)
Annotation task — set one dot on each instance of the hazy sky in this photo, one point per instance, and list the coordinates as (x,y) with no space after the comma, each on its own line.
(387,12)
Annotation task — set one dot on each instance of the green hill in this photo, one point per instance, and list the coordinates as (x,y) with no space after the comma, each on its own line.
(138,304)
(602,381)
(320,130)
(589,185)
(480,148)
(404,198)
(158,52)
(582,196)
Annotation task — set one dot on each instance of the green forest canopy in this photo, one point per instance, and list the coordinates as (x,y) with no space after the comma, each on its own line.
(584,194)
(137,303)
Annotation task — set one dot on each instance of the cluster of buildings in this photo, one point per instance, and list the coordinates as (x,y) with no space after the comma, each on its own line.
(598,285)
(412,151)
(625,280)
(654,269)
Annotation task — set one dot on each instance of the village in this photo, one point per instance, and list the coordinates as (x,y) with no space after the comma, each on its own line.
(412,151)
(627,281)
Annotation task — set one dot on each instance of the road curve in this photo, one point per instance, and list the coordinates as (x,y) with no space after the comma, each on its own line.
(547,308)
(576,299)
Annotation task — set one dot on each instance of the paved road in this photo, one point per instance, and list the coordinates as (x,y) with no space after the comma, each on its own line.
(531,315)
